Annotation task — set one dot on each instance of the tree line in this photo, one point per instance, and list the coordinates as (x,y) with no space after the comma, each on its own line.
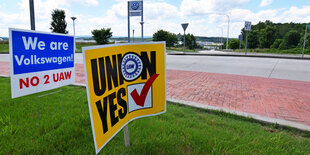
(276,35)
(172,39)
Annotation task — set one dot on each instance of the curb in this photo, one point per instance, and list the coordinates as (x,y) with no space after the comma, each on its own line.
(241,55)
(244,114)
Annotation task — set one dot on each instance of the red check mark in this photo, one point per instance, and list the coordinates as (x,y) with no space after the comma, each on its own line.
(140,99)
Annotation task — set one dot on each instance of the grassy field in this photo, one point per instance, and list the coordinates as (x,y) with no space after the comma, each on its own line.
(4,47)
(276,51)
(80,45)
(179,49)
(65,129)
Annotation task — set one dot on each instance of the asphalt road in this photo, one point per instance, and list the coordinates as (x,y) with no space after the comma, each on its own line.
(290,69)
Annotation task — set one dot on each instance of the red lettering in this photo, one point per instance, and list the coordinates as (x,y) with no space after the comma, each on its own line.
(46,77)
(34,78)
(54,78)
(22,82)
(68,75)
(61,76)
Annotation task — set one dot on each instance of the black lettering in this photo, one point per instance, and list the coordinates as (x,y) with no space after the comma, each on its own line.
(122,112)
(103,114)
(120,75)
(111,72)
(98,89)
(113,107)
(148,65)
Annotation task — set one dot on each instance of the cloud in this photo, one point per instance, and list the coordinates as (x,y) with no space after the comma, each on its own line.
(265,3)
(295,14)
(158,14)
(202,7)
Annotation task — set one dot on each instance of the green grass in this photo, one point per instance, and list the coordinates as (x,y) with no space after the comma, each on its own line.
(4,47)
(80,45)
(276,51)
(179,49)
(181,130)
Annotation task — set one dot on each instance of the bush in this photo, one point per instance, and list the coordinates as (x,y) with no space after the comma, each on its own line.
(234,44)
(102,36)
(162,35)
(276,43)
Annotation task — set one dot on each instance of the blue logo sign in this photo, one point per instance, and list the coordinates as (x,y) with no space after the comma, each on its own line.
(135,5)
(131,66)
(34,52)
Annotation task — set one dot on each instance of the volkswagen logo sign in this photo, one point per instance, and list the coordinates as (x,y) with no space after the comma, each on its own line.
(131,66)
(134,5)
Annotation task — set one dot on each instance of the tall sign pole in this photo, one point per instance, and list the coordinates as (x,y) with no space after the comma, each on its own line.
(128,21)
(184,26)
(142,21)
(135,8)
(32,21)
(303,49)
(247,27)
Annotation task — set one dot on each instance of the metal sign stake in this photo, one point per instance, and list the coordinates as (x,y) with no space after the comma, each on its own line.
(246,43)
(303,49)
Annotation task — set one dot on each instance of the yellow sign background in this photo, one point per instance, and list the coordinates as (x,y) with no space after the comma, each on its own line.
(158,88)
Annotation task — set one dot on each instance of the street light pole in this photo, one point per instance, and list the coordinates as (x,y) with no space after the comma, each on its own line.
(227,31)
(221,36)
(73,19)
(227,27)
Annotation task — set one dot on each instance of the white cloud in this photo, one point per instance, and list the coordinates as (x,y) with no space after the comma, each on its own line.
(201,7)
(295,14)
(158,14)
(265,3)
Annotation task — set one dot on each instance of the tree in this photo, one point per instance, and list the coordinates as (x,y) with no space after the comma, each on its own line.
(253,39)
(276,43)
(59,23)
(234,44)
(162,35)
(301,43)
(102,36)
(190,41)
(292,39)
(267,36)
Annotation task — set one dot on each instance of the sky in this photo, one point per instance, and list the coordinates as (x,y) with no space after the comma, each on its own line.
(205,17)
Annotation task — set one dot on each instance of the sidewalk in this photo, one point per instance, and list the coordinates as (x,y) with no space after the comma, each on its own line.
(222,53)
(285,102)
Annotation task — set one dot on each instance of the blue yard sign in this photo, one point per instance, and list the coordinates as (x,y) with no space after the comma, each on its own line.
(40,61)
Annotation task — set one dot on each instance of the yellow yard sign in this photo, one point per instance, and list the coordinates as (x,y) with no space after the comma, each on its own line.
(124,82)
